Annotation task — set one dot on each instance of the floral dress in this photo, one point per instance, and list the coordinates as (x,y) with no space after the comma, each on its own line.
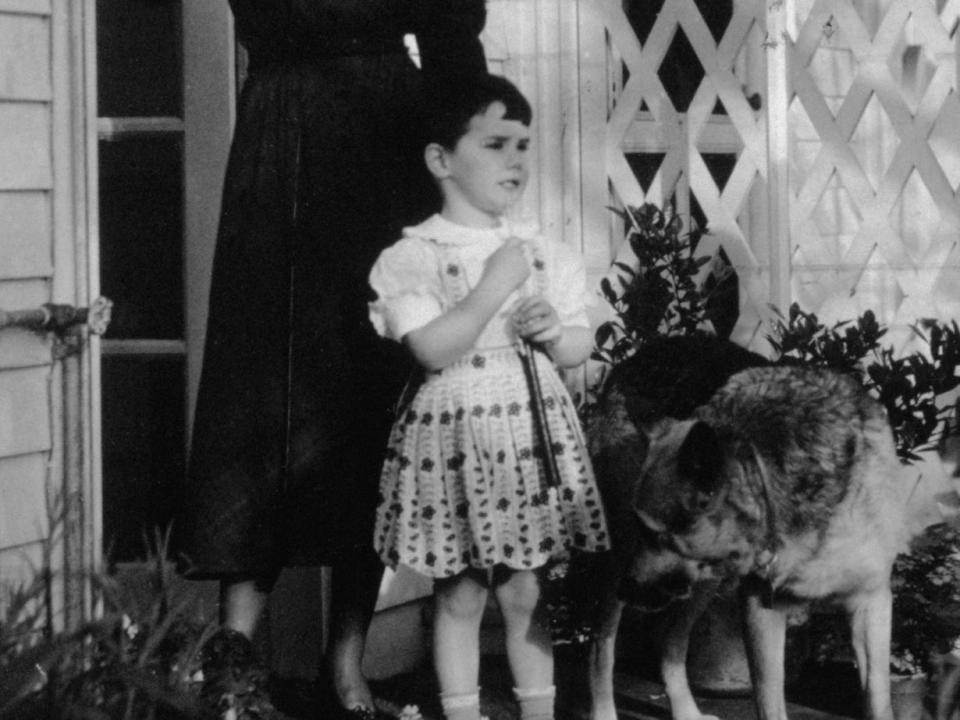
(464,482)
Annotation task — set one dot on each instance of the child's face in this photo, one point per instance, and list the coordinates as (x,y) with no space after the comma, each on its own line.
(486,172)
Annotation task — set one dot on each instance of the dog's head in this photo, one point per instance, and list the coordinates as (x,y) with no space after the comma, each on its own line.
(687,494)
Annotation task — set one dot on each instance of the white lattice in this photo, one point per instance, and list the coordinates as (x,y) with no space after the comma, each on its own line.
(685,137)
(897,191)
(866,213)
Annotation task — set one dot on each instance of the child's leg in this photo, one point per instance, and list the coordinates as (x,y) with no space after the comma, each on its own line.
(460,602)
(241,604)
(528,641)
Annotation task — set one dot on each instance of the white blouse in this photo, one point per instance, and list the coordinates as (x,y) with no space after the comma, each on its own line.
(408,277)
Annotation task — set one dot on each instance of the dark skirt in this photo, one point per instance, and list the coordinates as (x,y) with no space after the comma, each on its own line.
(297,391)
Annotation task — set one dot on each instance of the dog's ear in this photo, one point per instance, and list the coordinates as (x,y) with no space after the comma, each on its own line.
(655,430)
(660,494)
(699,462)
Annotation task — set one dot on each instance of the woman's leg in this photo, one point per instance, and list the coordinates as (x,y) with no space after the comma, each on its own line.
(228,655)
(354,589)
(528,641)
(460,602)
(241,605)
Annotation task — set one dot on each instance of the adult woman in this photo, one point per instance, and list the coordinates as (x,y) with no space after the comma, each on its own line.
(297,391)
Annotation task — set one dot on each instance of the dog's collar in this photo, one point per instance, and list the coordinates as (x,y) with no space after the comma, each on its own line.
(763,568)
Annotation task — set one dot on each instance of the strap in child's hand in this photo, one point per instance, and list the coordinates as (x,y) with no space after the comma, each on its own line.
(527,355)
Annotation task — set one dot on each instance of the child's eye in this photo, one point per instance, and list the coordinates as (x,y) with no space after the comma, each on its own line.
(495,144)
(523,145)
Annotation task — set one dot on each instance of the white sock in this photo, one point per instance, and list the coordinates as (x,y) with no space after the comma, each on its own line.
(536,703)
(465,706)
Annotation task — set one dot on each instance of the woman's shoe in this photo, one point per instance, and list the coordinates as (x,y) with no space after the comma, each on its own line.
(361,712)
(234,681)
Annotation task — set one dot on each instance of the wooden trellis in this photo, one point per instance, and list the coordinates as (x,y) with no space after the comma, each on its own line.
(839,123)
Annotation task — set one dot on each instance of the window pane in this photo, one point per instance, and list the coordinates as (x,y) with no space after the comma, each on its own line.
(139,58)
(141,230)
(143,448)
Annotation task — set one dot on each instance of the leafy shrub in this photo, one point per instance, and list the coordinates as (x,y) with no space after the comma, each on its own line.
(140,659)
(911,387)
(662,294)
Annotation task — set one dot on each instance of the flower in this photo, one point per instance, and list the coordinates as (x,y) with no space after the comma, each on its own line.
(410,712)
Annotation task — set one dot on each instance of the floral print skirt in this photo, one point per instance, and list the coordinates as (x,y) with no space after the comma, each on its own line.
(463,484)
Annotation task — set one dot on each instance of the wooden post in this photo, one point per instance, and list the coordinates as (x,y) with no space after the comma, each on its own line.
(776,45)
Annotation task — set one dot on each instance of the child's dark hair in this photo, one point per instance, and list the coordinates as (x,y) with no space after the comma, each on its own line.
(449,109)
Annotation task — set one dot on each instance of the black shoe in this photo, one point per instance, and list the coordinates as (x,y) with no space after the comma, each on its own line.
(299,698)
(234,680)
(360,713)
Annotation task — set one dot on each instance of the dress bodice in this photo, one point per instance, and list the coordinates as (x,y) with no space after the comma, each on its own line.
(437,263)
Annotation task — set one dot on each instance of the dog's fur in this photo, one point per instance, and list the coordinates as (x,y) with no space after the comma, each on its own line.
(786,477)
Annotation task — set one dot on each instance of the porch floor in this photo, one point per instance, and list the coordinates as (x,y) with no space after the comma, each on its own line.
(638,698)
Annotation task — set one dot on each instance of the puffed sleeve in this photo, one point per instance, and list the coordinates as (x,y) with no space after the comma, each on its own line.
(448,36)
(408,288)
(568,285)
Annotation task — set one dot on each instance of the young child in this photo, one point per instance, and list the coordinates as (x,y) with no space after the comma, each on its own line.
(466,494)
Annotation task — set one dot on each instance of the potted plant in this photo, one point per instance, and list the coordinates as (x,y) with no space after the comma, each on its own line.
(926,605)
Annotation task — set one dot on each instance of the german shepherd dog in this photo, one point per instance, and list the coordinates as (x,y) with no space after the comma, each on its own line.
(715,464)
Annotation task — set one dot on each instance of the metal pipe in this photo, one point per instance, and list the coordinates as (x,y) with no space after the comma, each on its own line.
(58,318)
(71,326)
(74,458)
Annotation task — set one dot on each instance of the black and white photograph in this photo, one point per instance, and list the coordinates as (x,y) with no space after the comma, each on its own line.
(479,360)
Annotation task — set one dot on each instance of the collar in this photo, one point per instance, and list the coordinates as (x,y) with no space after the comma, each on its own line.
(444,232)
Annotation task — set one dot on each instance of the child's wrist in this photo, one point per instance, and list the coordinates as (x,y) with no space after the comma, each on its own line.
(552,343)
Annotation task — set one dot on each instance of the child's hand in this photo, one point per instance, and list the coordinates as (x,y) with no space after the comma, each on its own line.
(536,320)
(508,266)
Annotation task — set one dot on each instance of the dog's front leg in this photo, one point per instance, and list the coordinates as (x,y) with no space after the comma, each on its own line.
(602,706)
(766,631)
(673,662)
(870,633)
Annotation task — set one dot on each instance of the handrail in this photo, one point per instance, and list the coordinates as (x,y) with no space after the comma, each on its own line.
(59,317)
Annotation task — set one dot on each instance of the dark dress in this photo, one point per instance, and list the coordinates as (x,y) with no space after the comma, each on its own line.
(297,390)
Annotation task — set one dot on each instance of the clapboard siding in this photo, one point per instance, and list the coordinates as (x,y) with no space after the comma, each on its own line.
(17,294)
(24,415)
(22,485)
(25,162)
(25,7)
(26,281)
(23,348)
(19,564)
(25,248)
(25,40)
